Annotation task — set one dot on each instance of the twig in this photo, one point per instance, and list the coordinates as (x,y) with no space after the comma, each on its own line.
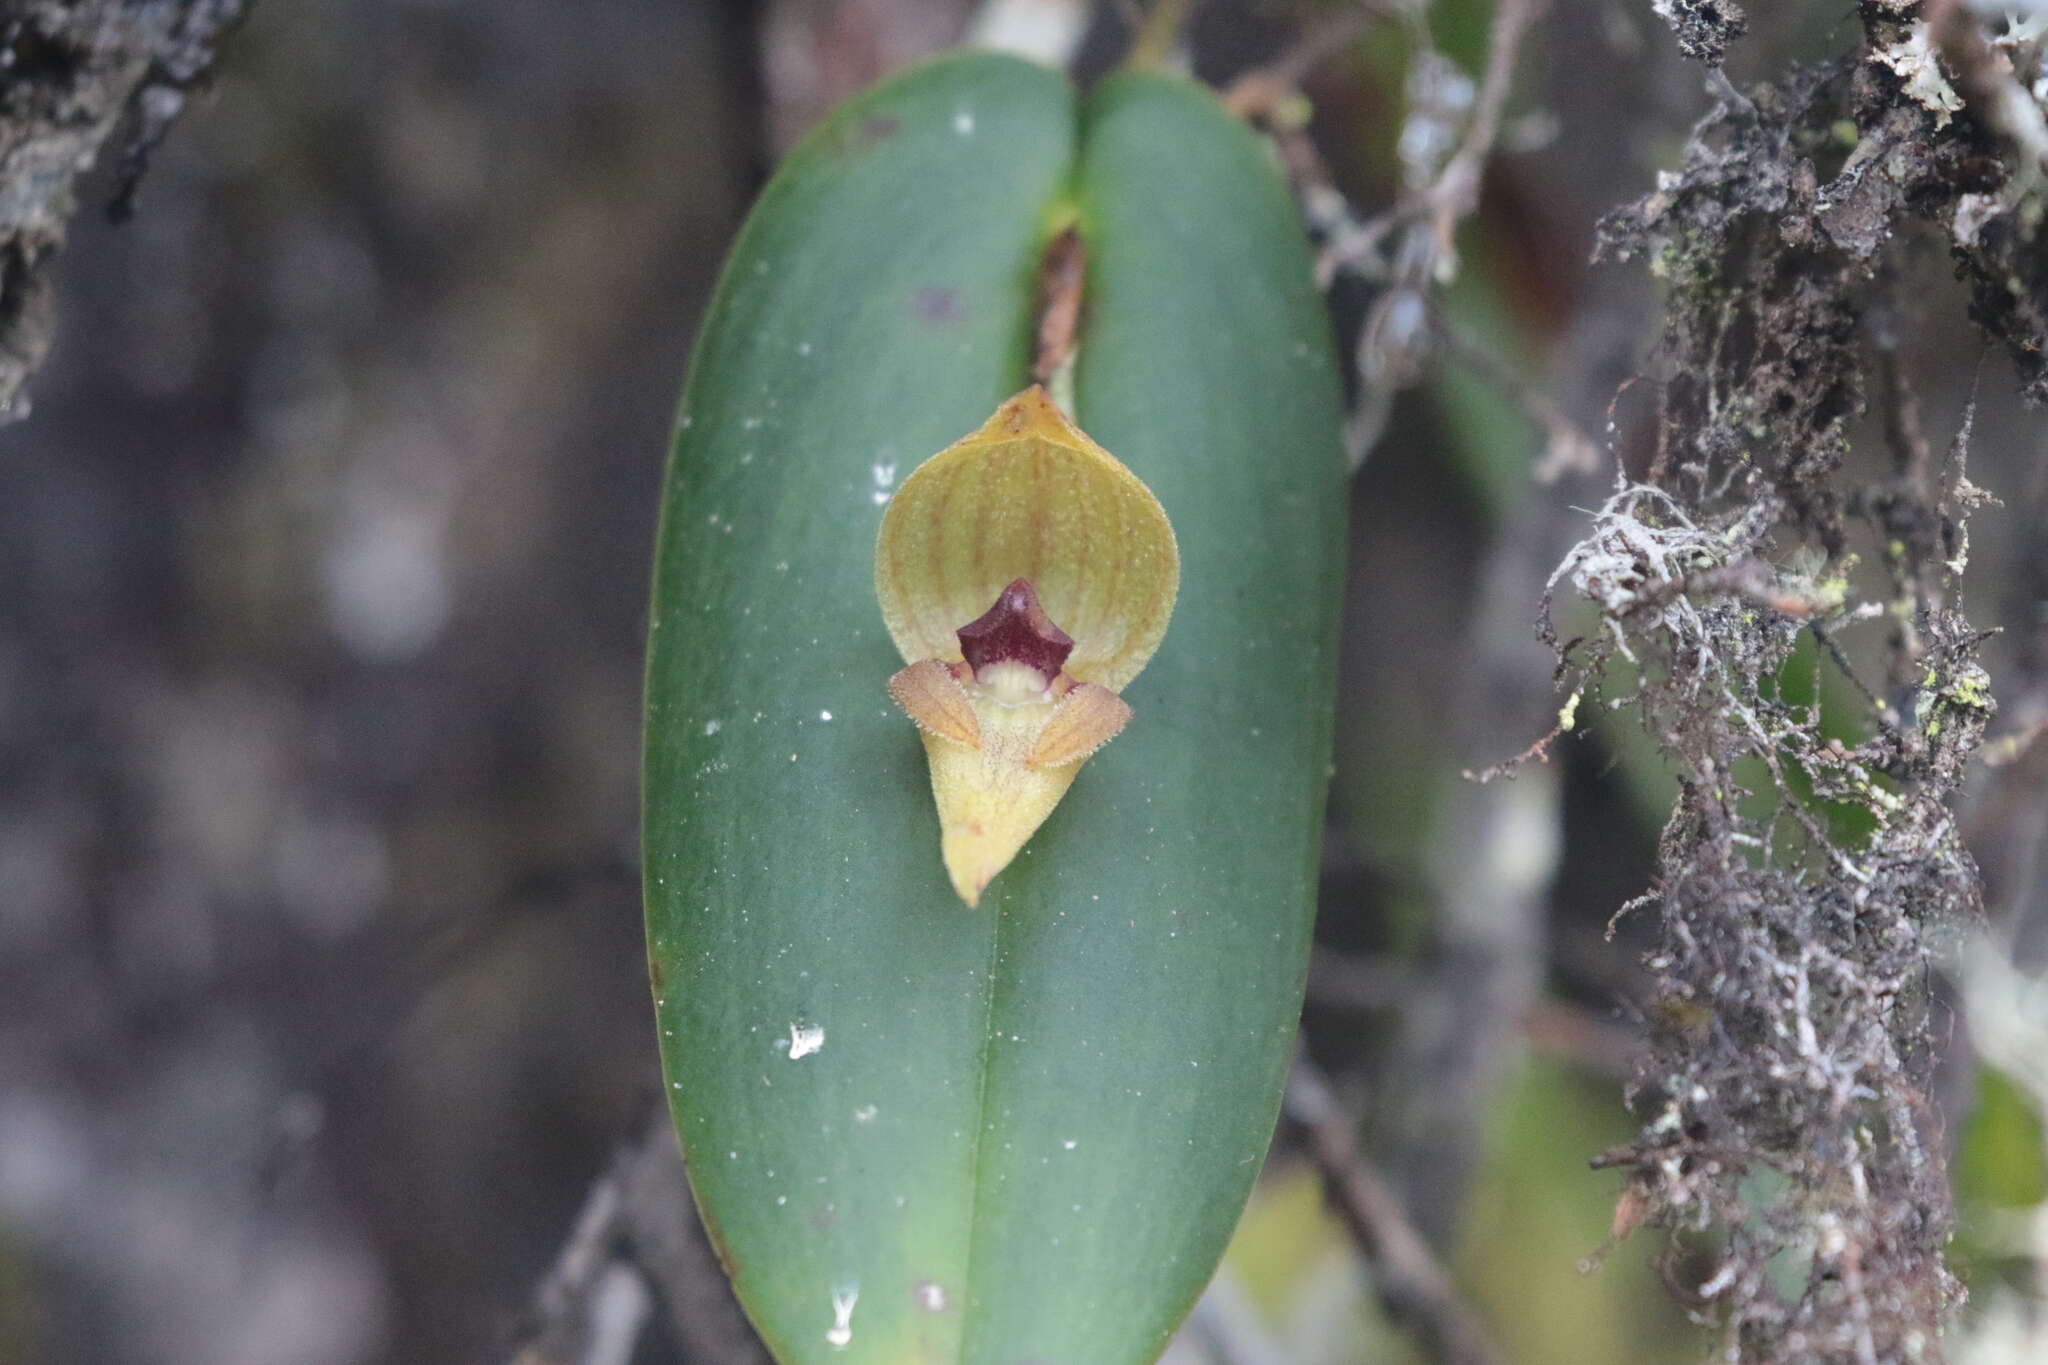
(1723,89)
(568,1324)
(2010,748)
(1538,750)
(1566,448)
(1411,1282)
(1456,192)
(1263,91)
(1438,208)
(1270,97)
(637,1234)
(1412,246)
(1394,346)
(668,1242)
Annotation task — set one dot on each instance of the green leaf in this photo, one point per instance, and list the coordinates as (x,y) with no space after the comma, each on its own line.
(919,1132)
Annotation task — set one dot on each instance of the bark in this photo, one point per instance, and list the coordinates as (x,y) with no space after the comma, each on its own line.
(74,77)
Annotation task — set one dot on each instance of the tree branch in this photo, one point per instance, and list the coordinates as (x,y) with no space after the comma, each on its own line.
(72,73)
(1412,1284)
(639,1226)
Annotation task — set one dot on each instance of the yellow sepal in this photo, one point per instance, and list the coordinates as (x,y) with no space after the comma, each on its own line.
(1029,496)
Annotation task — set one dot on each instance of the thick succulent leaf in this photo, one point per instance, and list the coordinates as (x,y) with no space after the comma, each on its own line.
(1160,930)
(921,1133)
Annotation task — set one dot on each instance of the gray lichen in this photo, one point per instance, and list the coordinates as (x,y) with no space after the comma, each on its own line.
(71,73)
(1804,876)
(1704,28)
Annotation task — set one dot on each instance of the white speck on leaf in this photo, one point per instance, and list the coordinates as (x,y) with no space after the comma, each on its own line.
(963,123)
(804,1039)
(931,1296)
(824,715)
(841,1334)
(884,473)
(865,1114)
(711,726)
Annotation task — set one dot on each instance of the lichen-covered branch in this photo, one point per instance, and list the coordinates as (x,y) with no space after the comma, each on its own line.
(1812,861)
(73,74)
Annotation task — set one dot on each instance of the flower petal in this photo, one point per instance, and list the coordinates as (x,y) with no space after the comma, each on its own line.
(931,696)
(1087,718)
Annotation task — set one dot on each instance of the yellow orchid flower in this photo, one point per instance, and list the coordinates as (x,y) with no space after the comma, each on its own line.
(1080,564)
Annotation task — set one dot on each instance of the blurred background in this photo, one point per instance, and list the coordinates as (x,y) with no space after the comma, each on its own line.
(322,566)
